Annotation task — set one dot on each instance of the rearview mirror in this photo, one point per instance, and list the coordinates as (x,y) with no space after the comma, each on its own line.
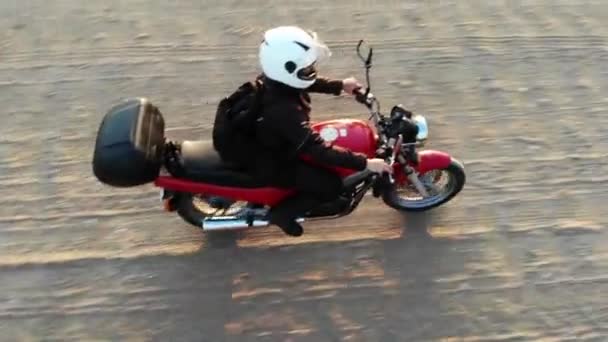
(367,60)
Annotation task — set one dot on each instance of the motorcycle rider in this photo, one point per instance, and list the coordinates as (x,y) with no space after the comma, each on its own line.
(288,56)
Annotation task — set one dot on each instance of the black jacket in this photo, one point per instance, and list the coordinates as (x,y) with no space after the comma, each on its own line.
(284,130)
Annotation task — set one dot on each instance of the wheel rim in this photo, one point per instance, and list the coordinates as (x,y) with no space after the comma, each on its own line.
(201,203)
(440,184)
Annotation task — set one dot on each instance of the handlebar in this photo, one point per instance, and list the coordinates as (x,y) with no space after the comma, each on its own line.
(360,96)
(366,98)
(363,98)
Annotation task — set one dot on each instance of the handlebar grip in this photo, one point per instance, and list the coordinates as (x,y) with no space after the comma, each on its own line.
(360,96)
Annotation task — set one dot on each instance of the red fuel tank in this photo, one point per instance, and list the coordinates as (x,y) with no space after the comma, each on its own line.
(356,135)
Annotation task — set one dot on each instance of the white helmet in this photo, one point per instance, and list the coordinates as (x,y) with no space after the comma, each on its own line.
(288,54)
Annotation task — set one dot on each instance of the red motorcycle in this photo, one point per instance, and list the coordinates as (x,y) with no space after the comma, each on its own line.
(131,150)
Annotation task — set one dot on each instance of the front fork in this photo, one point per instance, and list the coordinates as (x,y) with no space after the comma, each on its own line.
(410,172)
(412,176)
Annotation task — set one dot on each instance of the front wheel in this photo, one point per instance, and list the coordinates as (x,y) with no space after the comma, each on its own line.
(441,184)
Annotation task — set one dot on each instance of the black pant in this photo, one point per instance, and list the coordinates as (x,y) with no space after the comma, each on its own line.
(314,186)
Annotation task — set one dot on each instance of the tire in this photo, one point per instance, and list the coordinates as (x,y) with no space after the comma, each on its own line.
(457,180)
(195,214)
(188,211)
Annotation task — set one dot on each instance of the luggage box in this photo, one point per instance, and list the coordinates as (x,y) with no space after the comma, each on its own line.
(129,145)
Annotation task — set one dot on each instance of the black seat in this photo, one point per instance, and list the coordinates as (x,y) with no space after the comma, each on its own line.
(202,163)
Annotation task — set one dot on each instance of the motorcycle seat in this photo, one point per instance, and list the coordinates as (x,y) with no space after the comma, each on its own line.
(201,163)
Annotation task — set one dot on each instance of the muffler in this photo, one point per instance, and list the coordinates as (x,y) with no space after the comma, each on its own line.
(231,223)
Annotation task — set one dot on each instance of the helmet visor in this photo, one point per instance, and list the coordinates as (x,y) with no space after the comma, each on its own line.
(321,50)
(309,73)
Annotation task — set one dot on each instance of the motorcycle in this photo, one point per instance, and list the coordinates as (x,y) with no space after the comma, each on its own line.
(131,149)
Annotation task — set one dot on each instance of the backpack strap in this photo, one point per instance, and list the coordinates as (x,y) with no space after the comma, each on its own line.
(259,97)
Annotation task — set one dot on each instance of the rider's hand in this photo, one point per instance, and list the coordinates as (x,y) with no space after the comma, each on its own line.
(378,165)
(349,85)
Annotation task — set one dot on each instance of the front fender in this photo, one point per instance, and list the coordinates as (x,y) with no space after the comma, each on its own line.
(431,160)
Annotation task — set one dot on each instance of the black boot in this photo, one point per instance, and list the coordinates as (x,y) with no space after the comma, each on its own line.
(284,214)
(289,227)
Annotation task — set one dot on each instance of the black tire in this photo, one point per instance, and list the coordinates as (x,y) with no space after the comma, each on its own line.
(188,211)
(458,177)
(193,214)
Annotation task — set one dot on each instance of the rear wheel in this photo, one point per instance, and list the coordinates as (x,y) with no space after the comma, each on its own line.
(195,208)
(441,184)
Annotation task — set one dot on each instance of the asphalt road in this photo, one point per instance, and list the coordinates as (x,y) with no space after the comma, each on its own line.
(516,90)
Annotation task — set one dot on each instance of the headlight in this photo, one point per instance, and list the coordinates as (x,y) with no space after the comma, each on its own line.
(423,128)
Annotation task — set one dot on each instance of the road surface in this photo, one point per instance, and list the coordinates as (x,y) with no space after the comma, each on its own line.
(516,90)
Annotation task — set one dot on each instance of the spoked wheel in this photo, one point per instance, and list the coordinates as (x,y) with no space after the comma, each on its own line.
(441,185)
(195,208)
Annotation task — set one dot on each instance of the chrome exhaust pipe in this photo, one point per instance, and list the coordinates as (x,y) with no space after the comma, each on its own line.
(231,223)
(234,223)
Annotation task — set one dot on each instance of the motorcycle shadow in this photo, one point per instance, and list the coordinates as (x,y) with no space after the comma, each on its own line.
(420,224)
(394,267)
(411,226)
(223,240)
(268,286)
